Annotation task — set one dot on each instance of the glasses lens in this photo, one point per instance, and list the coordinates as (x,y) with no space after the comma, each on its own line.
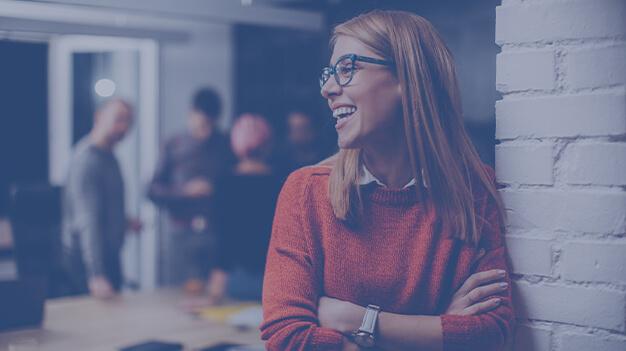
(326,73)
(343,71)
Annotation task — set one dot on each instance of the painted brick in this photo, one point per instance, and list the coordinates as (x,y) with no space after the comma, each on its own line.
(528,70)
(583,261)
(590,211)
(597,67)
(591,342)
(553,21)
(530,256)
(571,305)
(532,339)
(561,116)
(525,163)
(594,163)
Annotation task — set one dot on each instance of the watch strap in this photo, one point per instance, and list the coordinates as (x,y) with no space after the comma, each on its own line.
(369,319)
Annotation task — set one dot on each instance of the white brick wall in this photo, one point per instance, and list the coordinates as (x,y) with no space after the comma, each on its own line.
(606,70)
(594,262)
(515,77)
(562,159)
(594,163)
(521,248)
(558,20)
(560,115)
(570,210)
(526,163)
(529,338)
(591,342)
(571,304)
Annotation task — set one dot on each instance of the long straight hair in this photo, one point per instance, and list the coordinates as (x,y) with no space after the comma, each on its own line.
(443,158)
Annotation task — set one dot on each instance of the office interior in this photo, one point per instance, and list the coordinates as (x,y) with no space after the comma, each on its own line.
(60,59)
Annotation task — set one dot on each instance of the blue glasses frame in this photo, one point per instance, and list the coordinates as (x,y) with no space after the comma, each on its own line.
(343,74)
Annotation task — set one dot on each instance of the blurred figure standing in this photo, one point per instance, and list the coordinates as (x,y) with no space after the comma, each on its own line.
(94,219)
(184,183)
(247,201)
(304,146)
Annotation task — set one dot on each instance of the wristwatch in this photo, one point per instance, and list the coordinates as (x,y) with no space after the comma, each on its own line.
(364,337)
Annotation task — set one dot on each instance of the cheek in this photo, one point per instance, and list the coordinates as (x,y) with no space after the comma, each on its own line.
(383,108)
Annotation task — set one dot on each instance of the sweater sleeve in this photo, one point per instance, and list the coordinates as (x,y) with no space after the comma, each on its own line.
(161,190)
(487,331)
(291,285)
(86,195)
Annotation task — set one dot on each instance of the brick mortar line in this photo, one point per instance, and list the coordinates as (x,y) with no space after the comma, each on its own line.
(599,238)
(561,72)
(525,143)
(557,167)
(571,43)
(559,282)
(519,2)
(617,88)
(563,328)
(573,325)
(566,236)
(527,140)
(560,187)
(563,186)
(561,91)
(537,324)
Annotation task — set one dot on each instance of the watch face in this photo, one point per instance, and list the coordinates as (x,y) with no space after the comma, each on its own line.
(364,339)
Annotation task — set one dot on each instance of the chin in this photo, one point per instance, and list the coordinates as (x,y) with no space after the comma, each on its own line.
(345,146)
(118,138)
(348,144)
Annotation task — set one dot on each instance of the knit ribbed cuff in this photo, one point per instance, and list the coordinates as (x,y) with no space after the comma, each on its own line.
(326,340)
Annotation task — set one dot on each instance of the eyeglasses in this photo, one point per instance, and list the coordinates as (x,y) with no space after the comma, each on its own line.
(344,68)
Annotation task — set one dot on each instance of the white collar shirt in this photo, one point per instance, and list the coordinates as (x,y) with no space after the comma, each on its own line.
(367,178)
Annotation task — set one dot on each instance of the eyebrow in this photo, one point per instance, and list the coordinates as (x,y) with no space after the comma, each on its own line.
(332,64)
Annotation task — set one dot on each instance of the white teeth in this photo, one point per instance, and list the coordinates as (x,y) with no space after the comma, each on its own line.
(343,111)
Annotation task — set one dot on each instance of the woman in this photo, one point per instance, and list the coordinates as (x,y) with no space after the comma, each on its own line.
(380,245)
(246,208)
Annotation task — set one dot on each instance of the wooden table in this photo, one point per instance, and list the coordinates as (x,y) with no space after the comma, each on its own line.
(85,323)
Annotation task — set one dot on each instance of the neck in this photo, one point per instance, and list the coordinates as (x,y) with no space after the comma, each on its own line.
(202,132)
(390,164)
(201,135)
(100,141)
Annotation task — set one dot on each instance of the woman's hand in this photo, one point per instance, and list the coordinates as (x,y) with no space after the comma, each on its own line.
(348,345)
(342,316)
(466,301)
(100,287)
(216,287)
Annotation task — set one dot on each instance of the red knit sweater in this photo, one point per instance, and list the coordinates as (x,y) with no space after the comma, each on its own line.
(395,260)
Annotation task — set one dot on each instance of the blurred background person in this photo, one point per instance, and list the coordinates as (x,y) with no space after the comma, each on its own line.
(94,219)
(303,145)
(246,201)
(184,182)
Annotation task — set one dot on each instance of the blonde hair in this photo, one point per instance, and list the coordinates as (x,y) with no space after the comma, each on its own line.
(442,155)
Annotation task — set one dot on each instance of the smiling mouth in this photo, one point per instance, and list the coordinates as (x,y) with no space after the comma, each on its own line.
(343,113)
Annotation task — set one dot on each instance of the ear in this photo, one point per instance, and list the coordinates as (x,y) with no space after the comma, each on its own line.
(400,89)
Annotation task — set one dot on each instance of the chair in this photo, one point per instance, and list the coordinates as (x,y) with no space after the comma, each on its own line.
(35,214)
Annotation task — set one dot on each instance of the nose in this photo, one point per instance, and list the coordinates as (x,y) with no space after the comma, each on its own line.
(330,88)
